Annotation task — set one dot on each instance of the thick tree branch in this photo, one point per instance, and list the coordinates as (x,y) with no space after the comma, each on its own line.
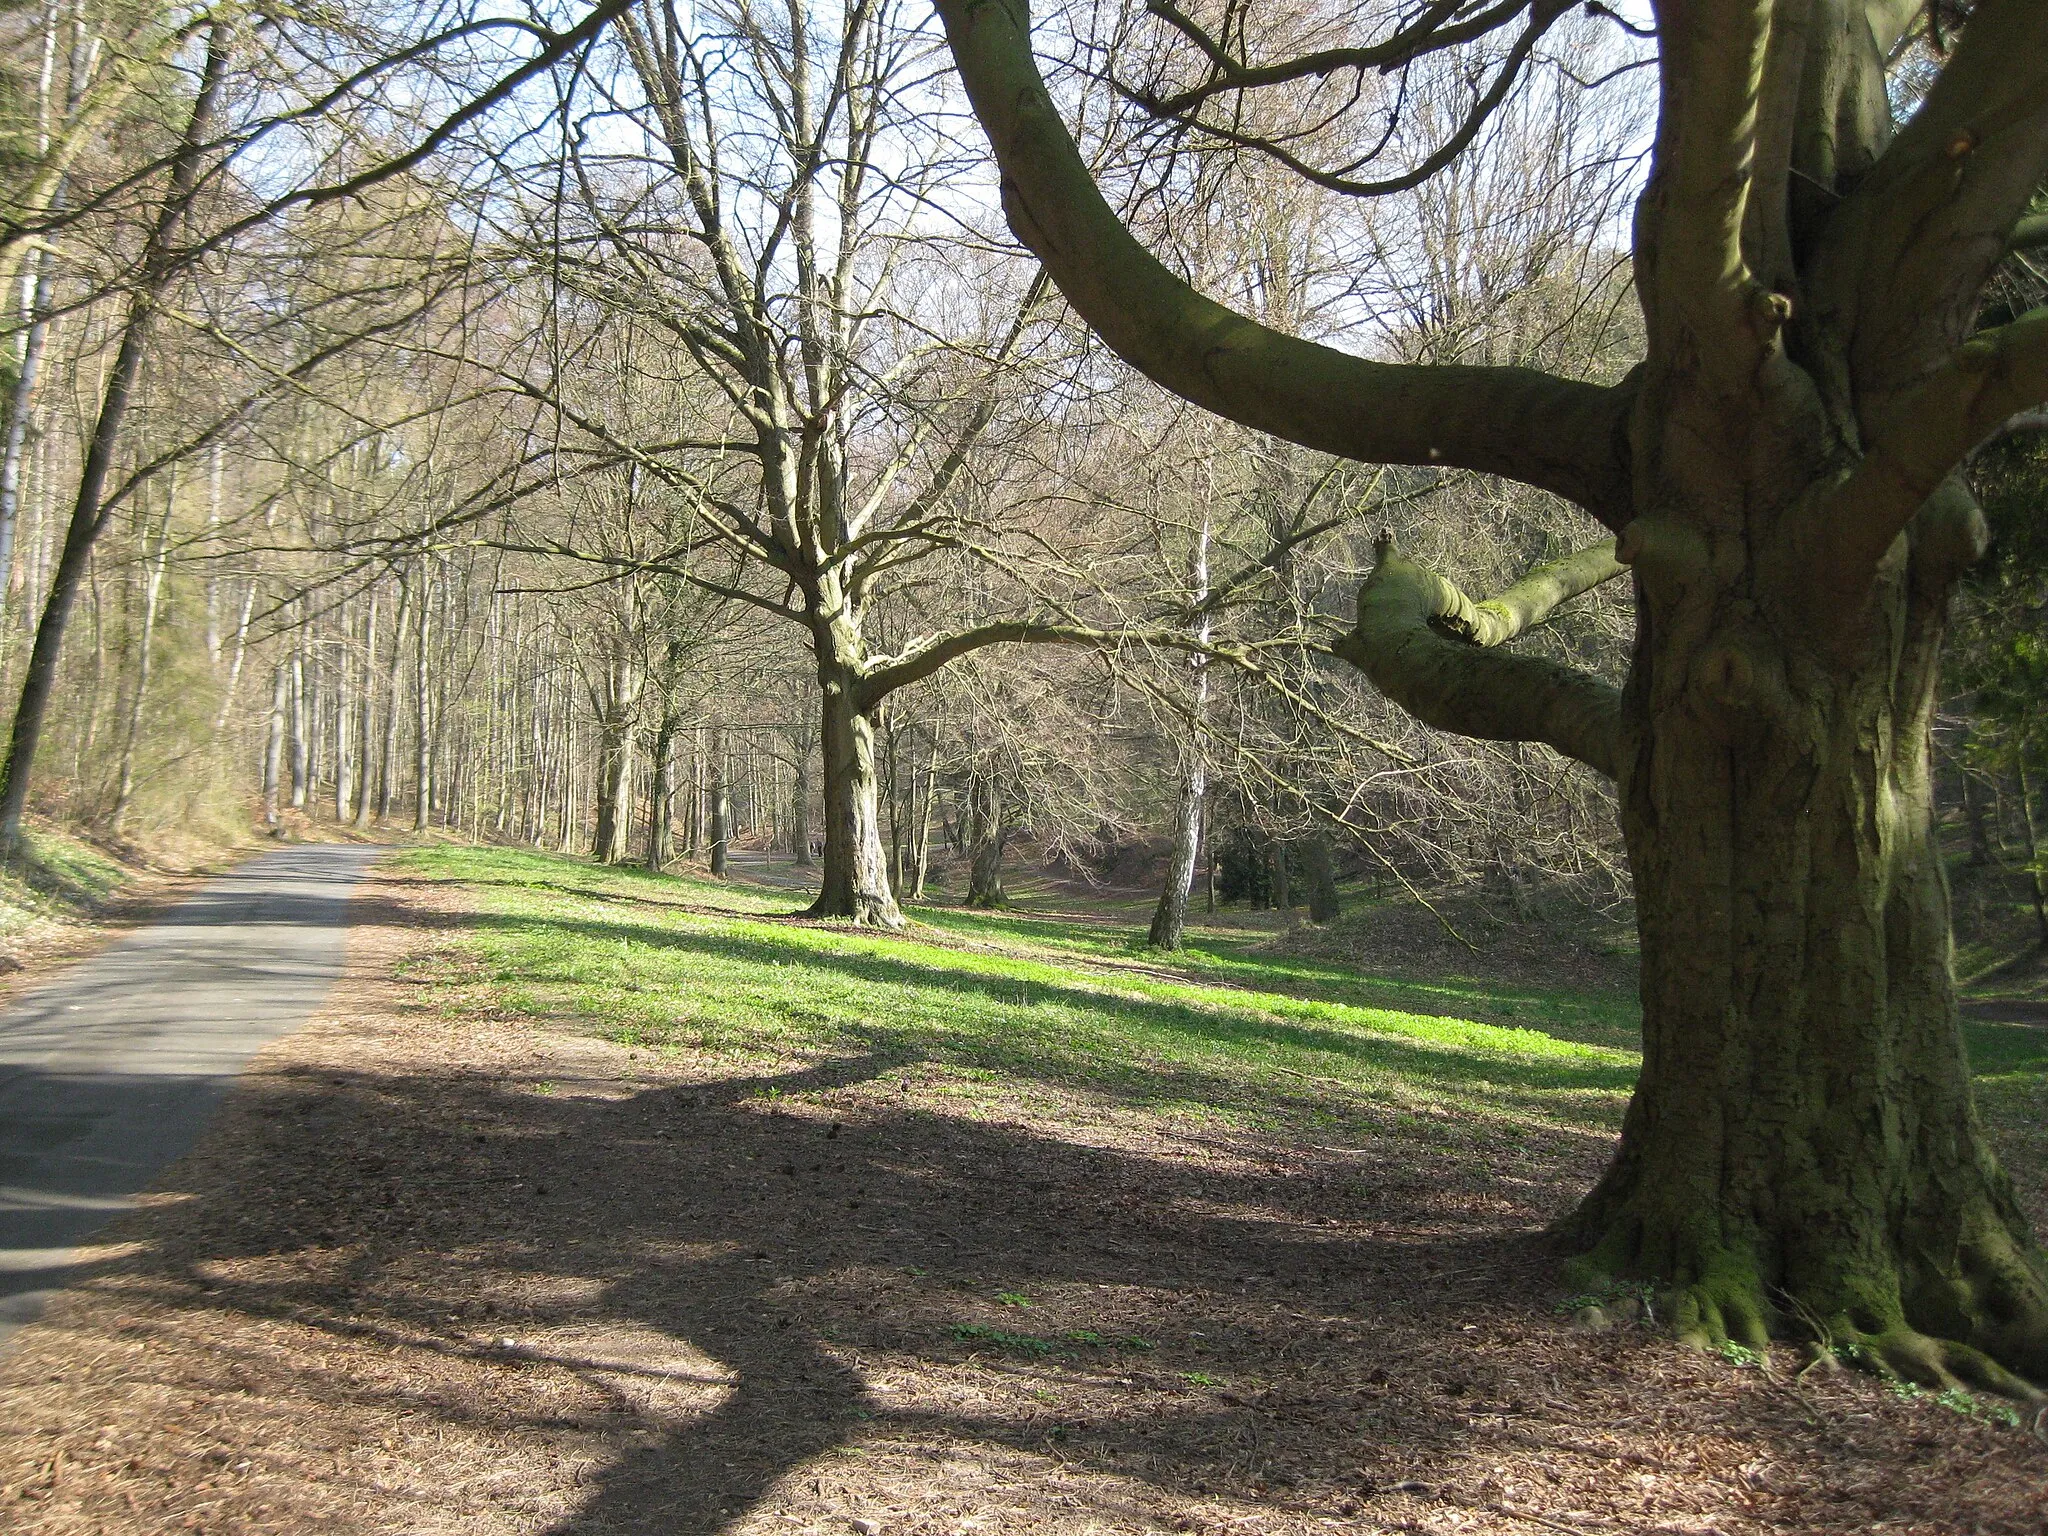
(1905,257)
(1554,433)
(1992,378)
(1529,601)
(1712,60)
(1407,618)
(923,657)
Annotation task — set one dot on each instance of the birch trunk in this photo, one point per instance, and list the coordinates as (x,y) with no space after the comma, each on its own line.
(273,749)
(1169,918)
(718,799)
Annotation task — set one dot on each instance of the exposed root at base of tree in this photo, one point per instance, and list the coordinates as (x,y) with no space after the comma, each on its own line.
(1906,1355)
(1718,1298)
(861,914)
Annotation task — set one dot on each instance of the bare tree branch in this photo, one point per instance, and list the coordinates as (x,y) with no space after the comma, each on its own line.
(1546,431)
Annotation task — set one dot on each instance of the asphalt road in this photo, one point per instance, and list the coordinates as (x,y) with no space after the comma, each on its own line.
(111,1070)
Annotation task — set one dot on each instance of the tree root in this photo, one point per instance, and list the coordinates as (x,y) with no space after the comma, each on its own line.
(1904,1354)
(1719,1300)
(1724,1306)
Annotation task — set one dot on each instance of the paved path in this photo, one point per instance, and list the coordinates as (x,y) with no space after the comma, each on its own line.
(111,1070)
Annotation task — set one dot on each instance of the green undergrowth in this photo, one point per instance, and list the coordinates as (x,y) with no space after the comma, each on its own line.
(1000,1002)
(997,1002)
(1238,958)
(57,878)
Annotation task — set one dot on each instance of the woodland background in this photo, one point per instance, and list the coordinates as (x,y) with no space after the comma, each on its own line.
(430,504)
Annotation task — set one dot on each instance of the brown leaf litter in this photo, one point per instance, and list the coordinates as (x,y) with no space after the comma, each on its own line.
(436,1271)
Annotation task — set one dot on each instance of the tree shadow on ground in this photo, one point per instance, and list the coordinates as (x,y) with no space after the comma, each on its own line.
(831,1257)
(1313,1335)
(792,1224)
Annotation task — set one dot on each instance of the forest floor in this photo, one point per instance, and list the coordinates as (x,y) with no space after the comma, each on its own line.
(605,1202)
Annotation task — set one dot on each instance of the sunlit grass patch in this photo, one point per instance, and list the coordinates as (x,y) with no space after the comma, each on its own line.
(1005,1001)
(665,961)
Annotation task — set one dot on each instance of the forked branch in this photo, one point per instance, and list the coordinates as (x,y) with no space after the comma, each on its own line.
(1433,651)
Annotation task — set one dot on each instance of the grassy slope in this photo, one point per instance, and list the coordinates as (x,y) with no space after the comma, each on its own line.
(666,961)
(1010,1000)
(63,882)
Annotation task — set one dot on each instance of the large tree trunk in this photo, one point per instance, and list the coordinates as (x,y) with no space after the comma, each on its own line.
(718,803)
(661,795)
(855,883)
(1803,1126)
(1780,470)
(990,836)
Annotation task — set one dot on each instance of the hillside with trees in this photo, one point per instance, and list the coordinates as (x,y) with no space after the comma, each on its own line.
(1462,586)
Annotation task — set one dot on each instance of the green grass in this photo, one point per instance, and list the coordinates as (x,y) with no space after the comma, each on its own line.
(995,1003)
(59,877)
(1235,957)
(662,961)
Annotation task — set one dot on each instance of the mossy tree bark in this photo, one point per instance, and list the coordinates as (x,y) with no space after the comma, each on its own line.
(1801,1152)
(854,884)
(988,814)
(1803,1127)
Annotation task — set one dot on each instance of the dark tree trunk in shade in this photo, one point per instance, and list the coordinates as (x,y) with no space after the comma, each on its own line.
(1324,904)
